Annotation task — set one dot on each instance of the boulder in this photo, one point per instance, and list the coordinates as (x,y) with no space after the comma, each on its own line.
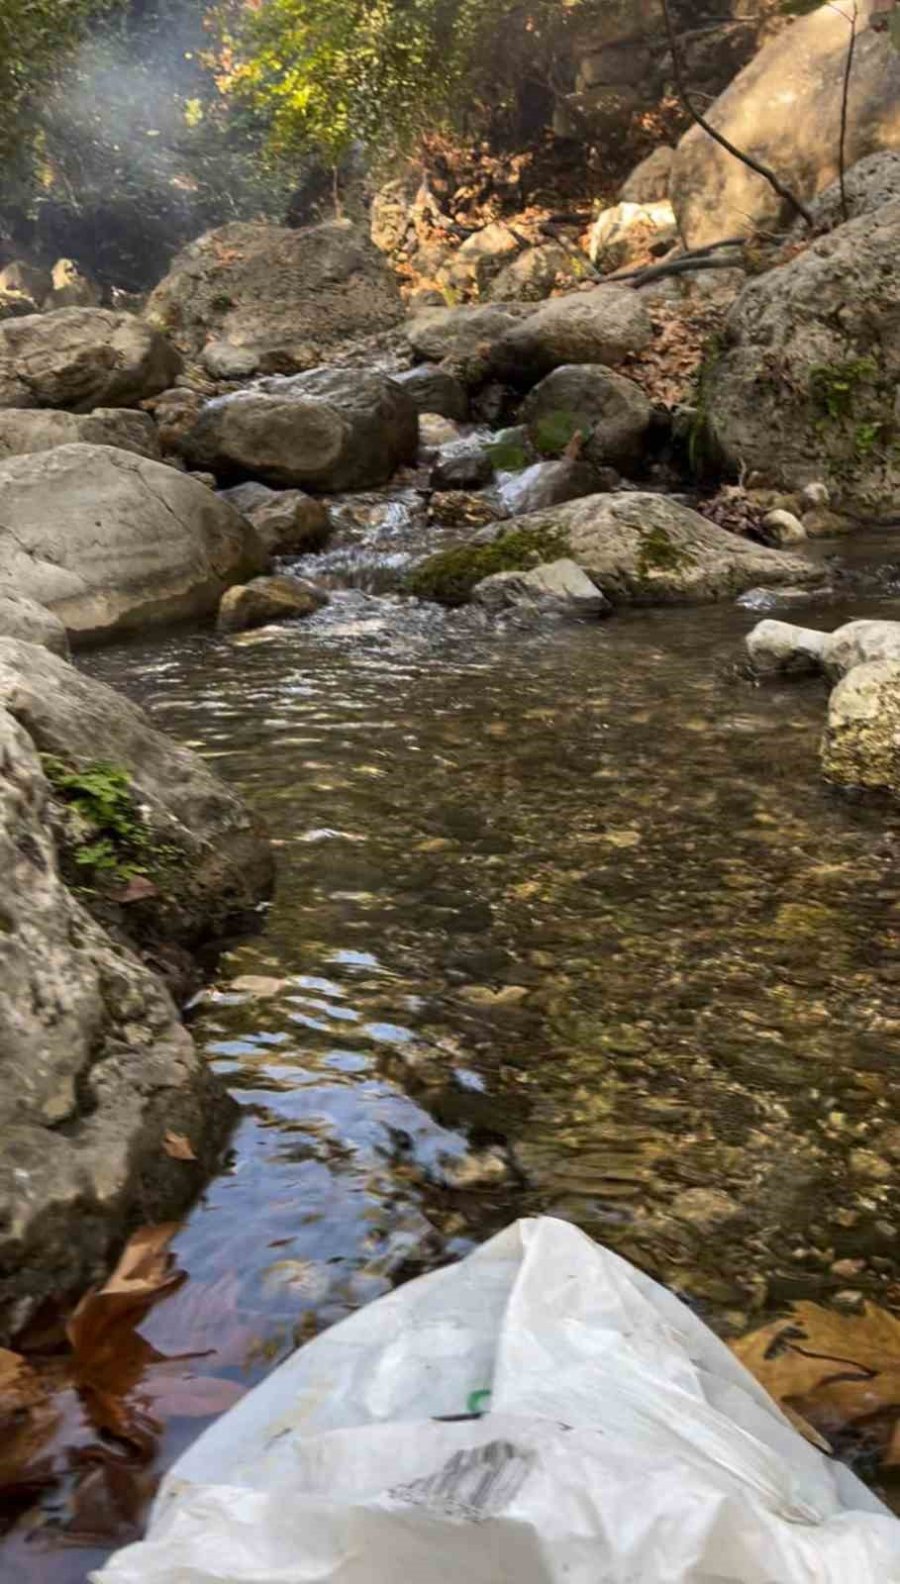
(869,184)
(433,389)
(279,292)
(532,276)
(803,389)
(95,1066)
(82,358)
(268,599)
(224,361)
(485,252)
(649,181)
(463,464)
(553,588)
(646,549)
(15,305)
(43,428)
(785,107)
(780,647)
(777,648)
(463,338)
(434,432)
(630,232)
(601,326)
(21,617)
(113,542)
(286,522)
(330,429)
(546,484)
(208,857)
(609,413)
(783,528)
(861,746)
(639,549)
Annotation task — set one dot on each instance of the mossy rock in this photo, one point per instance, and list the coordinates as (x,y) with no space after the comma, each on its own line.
(450,576)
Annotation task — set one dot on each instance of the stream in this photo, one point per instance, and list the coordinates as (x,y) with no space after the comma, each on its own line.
(566,921)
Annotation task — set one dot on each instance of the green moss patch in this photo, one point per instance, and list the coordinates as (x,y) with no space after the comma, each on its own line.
(450,576)
(660,553)
(554,431)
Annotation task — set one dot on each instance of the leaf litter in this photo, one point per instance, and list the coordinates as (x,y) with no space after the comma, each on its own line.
(84,1406)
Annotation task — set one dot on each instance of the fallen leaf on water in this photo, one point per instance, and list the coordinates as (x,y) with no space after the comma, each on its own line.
(838,1371)
(178,1147)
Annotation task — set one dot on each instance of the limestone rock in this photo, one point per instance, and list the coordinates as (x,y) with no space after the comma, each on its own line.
(600,326)
(95,1068)
(859,642)
(555,587)
(780,648)
(779,107)
(804,388)
(286,522)
(293,293)
(783,528)
(532,276)
(206,835)
(610,413)
(649,181)
(435,390)
(463,464)
(82,358)
(463,338)
(224,361)
(869,183)
(330,429)
(114,542)
(21,617)
(629,232)
(645,549)
(434,432)
(861,746)
(15,305)
(43,428)
(268,599)
(30,280)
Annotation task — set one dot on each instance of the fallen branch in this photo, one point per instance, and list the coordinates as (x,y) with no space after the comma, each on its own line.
(845,104)
(756,165)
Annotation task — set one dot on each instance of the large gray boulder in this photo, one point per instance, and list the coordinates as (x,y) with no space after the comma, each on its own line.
(330,429)
(869,184)
(286,295)
(804,387)
(610,413)
(40,429)
(649,181)
(600,326)
(435,390)
(645,549)
(21,617)
(785,107)
(463,339)
(861,746)
(113,542)
(82,358)
(210,861)
(95,1066)
(95,1069)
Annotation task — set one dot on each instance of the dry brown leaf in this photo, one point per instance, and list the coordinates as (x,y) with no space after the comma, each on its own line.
(836,1370)
(145,1270)
(178,1147)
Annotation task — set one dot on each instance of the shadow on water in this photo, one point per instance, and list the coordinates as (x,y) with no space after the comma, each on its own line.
(566,921)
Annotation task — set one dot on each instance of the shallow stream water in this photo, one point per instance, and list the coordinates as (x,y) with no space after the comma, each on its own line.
(566,921)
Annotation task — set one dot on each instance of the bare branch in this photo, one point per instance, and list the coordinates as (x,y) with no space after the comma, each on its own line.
(845,105)
(784,192)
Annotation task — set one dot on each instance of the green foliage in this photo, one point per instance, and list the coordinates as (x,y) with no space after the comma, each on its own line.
(701,445)
(36,37)
(106,839)
(450,576)
(326,73)
(508,451)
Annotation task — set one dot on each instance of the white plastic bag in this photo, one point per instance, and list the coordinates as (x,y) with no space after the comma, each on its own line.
(541,1413)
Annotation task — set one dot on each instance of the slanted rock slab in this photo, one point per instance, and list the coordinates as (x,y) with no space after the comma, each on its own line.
(21,617)
(554,588)
(40,429)
(82,358)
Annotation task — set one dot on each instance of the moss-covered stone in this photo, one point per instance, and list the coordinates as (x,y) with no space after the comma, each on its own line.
(659,553)
(450,576)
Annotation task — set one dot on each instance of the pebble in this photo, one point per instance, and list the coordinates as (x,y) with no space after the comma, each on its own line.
(847,1269)
(849,1301)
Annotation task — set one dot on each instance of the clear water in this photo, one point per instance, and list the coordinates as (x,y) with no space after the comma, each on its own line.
(566,921)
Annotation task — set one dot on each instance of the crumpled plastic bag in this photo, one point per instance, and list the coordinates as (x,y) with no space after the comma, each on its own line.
(540,1413)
